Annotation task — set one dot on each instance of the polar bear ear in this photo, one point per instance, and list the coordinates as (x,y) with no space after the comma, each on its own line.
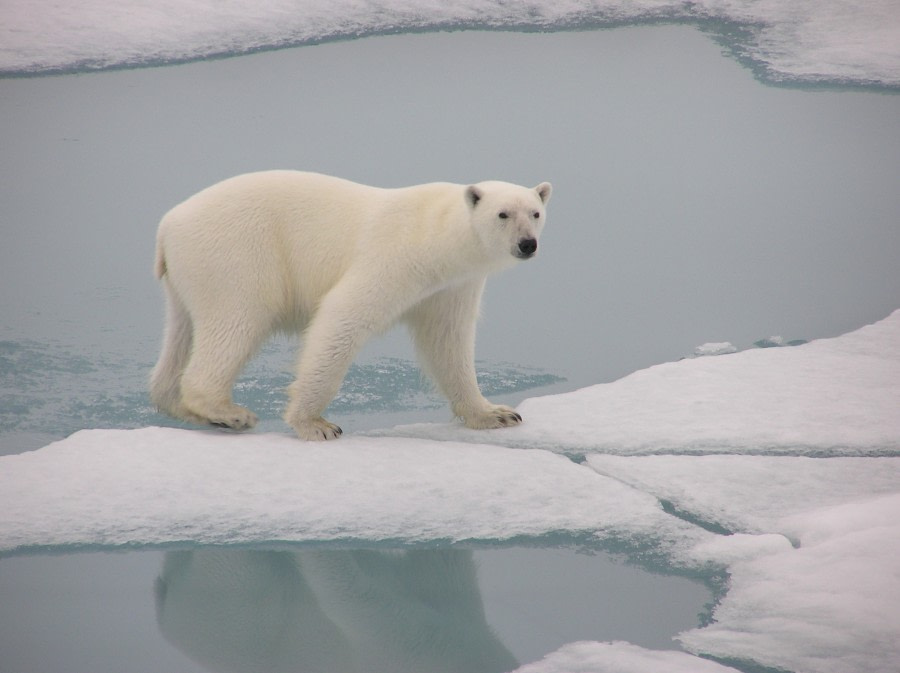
(544,190)
(473,195)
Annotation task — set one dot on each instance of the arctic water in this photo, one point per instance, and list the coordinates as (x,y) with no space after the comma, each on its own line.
(693,204)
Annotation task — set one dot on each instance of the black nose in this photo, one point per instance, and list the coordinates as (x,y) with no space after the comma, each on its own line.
(527,246)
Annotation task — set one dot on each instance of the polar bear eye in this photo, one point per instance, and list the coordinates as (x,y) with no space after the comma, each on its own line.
(503,215)
(536,214)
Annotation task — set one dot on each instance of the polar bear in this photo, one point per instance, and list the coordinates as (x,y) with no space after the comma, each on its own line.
(339,261)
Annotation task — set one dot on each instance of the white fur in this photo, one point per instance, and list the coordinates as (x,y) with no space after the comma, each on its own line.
(286,250)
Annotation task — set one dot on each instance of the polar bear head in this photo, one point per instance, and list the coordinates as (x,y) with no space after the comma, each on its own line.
(508,218)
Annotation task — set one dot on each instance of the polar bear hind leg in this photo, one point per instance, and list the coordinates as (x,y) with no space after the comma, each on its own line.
(220,351)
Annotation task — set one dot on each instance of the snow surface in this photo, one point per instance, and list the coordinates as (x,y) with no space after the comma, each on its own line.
(802,40)
(811,545)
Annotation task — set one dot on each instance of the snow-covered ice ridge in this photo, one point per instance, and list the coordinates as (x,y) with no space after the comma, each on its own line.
(811,545)
(802,41)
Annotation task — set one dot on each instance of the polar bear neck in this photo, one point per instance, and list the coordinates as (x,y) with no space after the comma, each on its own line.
(434,219)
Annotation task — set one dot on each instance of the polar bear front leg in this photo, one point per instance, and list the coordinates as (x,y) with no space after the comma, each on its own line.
(320,371)
(344,321)
(443,327)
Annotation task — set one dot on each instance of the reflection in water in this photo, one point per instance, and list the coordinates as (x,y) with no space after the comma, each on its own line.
(328,611)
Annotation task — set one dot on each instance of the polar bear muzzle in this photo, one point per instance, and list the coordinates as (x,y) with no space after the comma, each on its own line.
(527,248)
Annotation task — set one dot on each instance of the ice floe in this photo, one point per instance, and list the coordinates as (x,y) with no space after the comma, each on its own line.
(165,486)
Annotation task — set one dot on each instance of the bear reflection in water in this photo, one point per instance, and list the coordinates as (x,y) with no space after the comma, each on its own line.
(328,611)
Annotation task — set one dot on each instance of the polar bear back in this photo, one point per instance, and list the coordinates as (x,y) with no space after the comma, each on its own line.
(294,235)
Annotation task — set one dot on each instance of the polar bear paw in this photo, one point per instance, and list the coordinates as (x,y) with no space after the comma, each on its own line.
(234,417)
(316,430)
(493,416)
